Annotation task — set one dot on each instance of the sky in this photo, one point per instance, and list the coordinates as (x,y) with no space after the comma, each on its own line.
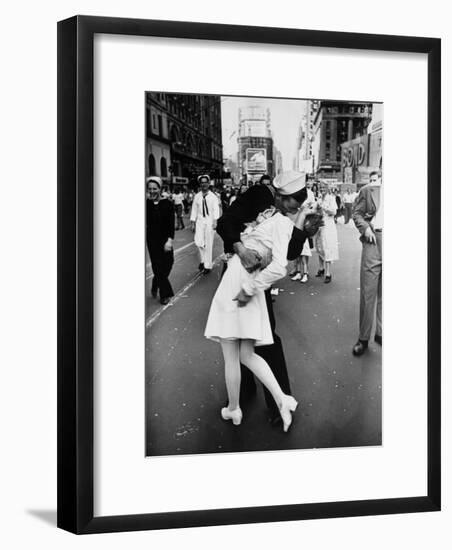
(286,115)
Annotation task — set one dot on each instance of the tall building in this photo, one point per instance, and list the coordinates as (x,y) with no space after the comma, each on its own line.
(183,137)
(255,143)
(277,161)
(312,107)
(336,122)
(304,156)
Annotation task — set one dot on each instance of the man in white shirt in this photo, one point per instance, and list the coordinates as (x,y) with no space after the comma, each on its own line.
(178,199)
(348,200)
(205,212)
(368,218)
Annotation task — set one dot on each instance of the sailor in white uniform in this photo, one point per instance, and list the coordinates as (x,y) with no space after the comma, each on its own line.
(205,212)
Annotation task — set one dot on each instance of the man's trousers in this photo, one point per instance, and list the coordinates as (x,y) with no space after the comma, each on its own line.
(204,235)
(370,291)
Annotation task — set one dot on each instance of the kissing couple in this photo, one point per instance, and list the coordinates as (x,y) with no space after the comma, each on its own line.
(241,315)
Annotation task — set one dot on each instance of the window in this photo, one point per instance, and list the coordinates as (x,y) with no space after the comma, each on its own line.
(163,168)
(151,165)
(148,122)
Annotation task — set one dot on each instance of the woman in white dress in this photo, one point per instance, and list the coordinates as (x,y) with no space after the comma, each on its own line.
(326,238)
(239,327)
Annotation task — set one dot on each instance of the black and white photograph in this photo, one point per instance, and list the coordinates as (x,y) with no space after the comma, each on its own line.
(263,282)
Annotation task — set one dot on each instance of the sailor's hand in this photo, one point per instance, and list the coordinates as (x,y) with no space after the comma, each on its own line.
(242,298)
(250,258)
(369,235)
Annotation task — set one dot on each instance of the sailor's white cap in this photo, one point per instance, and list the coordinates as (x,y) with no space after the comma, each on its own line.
(288,183)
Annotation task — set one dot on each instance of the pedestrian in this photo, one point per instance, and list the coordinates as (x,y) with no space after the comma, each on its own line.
(348,206)
(190,197)
(368,218)
(215,191)
(178,200)
(185,202)
(326,238)
(243,189)
(338,205)
(225,198)
(234,194)
(265,180)
(244,210)
(301,264)
(204,215)
(239,318)
(159,238)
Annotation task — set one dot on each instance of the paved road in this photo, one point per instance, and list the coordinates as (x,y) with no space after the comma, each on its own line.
(339,395)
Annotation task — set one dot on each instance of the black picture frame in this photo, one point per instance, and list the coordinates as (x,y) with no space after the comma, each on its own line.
(76,261)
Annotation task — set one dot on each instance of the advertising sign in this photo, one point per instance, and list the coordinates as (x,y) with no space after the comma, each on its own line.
(354,152)
(256,160)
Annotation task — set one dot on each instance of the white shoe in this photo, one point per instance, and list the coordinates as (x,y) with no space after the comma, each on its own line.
(288,406)
(304,279)
(235,415)
(296,277)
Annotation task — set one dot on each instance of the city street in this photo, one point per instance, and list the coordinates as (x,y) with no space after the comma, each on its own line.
(339,395)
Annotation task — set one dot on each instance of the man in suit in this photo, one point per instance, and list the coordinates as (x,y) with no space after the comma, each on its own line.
(245,209)
(368,218)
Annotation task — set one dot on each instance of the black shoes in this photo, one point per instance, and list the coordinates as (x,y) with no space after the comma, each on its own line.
(360,347)
(164,301)
(201,267)
(320,273)
(328,279)
(206,271)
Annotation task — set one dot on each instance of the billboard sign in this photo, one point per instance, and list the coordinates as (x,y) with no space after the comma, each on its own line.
(354,152)
(256,160)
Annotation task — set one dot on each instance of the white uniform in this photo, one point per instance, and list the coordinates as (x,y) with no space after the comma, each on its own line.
(227,320)
(205,212)
(326,237)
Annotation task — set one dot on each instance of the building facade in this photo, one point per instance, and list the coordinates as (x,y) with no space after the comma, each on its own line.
(277,161)
(335,123)
(255,144)
(183,137)
(304,158)
(312,107)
